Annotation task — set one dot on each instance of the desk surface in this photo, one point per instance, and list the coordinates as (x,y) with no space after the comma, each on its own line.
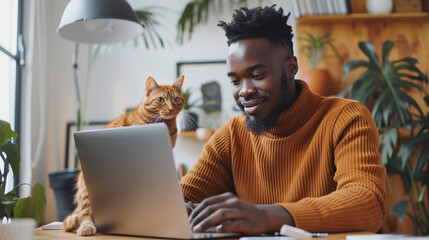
(60,234)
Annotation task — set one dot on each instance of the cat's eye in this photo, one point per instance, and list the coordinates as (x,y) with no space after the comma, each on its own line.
(176,100)
(160,99)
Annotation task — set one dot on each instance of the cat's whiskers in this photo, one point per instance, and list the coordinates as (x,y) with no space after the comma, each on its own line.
(157,119)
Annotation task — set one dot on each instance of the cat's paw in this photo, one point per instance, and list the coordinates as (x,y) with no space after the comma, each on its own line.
(86,228)
(70,223)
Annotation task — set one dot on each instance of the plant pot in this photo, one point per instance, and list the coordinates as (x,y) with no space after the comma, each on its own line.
(320,81)
(189,121)
(63,183)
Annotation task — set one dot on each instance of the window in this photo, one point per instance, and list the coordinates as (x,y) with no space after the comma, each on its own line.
(11,58)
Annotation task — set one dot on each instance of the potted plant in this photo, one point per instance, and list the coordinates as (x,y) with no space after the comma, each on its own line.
(319,80)
(10,205)
(197,12)
(189,119)
(402,125)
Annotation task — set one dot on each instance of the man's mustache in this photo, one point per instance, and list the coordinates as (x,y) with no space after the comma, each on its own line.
(240,100)
(240,106)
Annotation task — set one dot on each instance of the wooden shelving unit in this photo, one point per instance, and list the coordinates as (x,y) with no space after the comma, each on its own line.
(410,31)
(364,17)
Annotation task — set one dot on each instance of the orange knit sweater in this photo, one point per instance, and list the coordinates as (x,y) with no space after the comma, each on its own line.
(321,163)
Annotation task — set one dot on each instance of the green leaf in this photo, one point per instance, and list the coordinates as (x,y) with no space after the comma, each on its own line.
(197,12)
(7,204)
(32,207)
(400,209)
(409,60)
(423,157)
(343,93)
(12,156)
(388,143)
(422,194)
(404,153)
(6,209)
(353,65)
(406,182)
(368,49)
(387,47)
(6,133)
(149,18)
(315,49)
(411,104)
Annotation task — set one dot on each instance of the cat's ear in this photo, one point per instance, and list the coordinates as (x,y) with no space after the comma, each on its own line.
(150,85)
(178,83)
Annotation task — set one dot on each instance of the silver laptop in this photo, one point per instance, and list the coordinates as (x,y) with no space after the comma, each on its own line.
(132,182)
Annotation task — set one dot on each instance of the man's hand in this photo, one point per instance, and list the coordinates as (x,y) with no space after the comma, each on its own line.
(231,214)
(190,206)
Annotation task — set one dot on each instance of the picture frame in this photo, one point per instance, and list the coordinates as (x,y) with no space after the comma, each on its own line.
(199,73)
(70,146)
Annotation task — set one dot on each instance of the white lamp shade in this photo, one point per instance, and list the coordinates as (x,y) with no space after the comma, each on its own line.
(99,21)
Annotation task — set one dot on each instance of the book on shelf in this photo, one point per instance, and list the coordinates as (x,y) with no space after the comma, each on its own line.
(330,6)
(342,6)
(313,7)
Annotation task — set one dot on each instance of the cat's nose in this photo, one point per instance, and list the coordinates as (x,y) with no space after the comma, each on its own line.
(170,106)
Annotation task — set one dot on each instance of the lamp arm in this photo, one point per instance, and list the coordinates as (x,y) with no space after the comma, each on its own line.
(75,67)
(78,98)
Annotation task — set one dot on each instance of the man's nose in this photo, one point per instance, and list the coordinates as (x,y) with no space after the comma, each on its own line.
(247,88)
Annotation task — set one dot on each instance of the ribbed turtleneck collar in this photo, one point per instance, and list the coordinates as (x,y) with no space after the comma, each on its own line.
(294,117)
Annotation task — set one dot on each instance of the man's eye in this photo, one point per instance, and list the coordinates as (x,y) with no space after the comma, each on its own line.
(258,76)
(160,99)
(234,82)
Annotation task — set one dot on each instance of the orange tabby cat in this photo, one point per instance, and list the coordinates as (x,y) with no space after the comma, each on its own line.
(161,103)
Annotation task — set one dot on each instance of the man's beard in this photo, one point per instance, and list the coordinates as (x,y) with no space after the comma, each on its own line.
(261,126)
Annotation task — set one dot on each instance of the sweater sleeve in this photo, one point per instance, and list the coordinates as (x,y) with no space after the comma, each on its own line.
(358,202)
(211,174)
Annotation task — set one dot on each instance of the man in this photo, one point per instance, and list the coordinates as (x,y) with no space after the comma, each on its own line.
(292,157)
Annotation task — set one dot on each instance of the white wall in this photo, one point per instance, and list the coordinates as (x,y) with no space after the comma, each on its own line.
(117,81)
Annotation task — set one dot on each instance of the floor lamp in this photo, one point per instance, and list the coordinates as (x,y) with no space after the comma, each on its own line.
(96,21)
(89,21)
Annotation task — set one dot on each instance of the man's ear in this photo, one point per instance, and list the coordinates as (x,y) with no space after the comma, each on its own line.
(150,85)
(291,66)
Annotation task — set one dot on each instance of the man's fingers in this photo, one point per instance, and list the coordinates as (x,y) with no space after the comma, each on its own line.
(206,220)
(209,202)
(205,209)
(237,226)
(215,213)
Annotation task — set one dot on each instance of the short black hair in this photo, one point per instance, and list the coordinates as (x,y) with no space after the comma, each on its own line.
(257,22)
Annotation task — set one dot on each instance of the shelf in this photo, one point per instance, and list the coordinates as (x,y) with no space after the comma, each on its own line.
(188,134)
(363,17)
(202,135)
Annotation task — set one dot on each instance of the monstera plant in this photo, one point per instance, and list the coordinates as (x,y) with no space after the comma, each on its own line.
(10,205)
(385,86)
